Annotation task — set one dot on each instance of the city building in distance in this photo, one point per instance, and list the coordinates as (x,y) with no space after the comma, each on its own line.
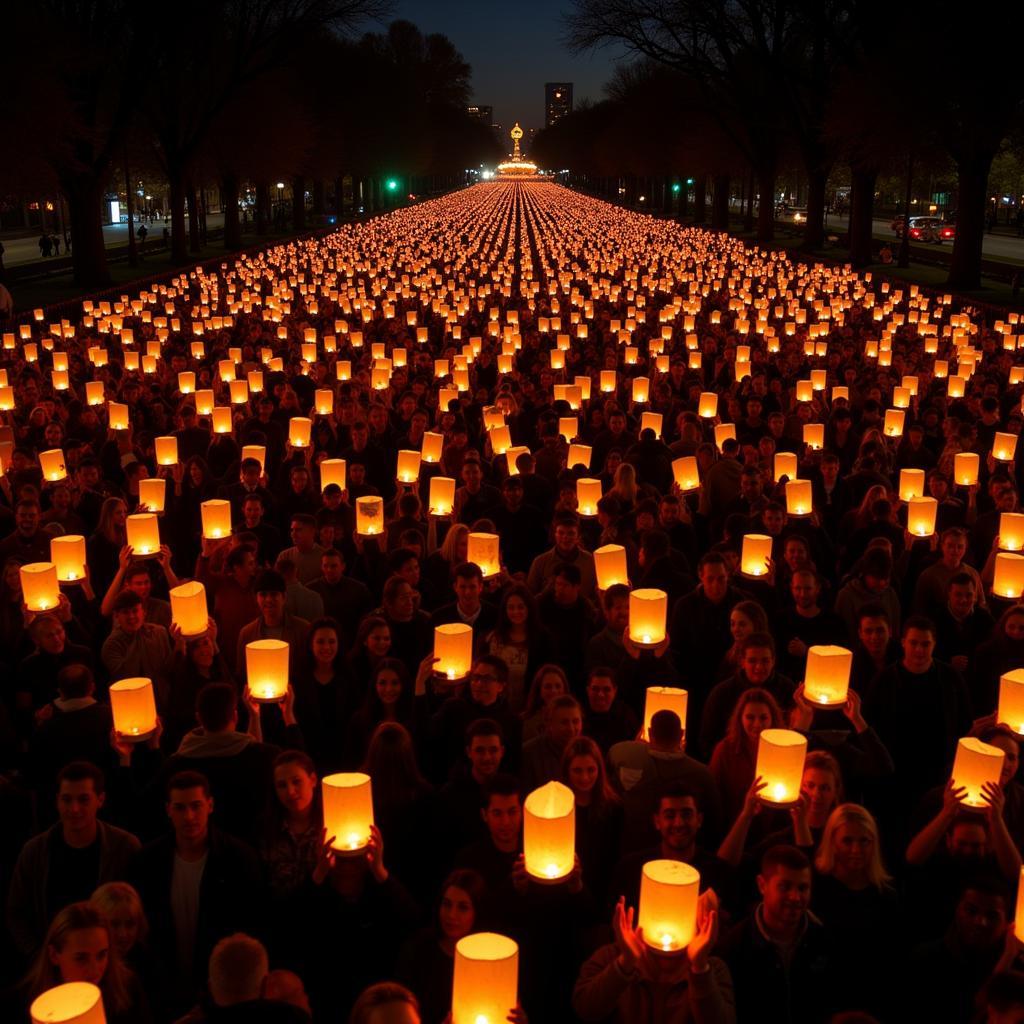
(557,101)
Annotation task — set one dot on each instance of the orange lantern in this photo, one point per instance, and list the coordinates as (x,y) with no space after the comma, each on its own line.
(324,400)
(216,517)
(134,708)
(780,763)
(486,979)
(166,450)
(483,550)
(408,466)
(724,432)
(441,499)
(186,382)
(588,494)
(68,556)
(39,588)
(52,463)
(266,669)
(143,535)
(348,811)
(785,466)
(708,406)
(641,390)
(669,890)
(1011,700)
(664,698)
(222,419)
(300,429)
(648,611)
(153,494)
(610,566)
(369,516)
(757,550)
(1008,579)
(239,392)
(975,764)
(686,473)
(332,471)
(453,648)
(257,452)
(965,468)
(1004,447)
(814,436)
(827,675)
(799,498)
(118,415)
(76,1002)
(894,420)
(189,610)
(1011,531)
(579,455)
(432,447)
(804,391)
(95,392)
(911,484)
(921,515)
(549,832)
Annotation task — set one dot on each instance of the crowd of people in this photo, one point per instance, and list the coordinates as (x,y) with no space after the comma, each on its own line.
(189,875)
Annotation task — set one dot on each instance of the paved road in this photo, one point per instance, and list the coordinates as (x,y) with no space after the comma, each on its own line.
(26,250)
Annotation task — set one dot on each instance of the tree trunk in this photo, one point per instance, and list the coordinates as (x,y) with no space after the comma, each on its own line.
(319,197)
(765,203)
(299,203)
(133,252)
(862,211)
(904,257)
(262,206)
(203,209)
(88,248)
(229,200)
(194,242)
(748,209)
(720,202)
(814,229)
(179,249)
(700,198)
(972,177)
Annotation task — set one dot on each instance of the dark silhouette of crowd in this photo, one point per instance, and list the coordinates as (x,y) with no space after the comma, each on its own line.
(189,875)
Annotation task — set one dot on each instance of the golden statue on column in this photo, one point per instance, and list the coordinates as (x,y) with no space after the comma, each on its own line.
(517,166)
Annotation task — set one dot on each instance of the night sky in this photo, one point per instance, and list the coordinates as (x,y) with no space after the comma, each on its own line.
(514,48)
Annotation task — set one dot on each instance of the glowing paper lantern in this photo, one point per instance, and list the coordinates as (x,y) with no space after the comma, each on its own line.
(975,764)
(188,608)
(911,484)
(76,1002)
(204,402)
(955,385)
(610,566)
(785,466)
(118,414)
(608,381)
(549,832)
(588,494)
(68,556)
(324,400)
(408,466)
(669,890)
(965,468)
(708,406)
(222,421)
(1011,700)
(332,471)
(134,708)
(370,516)
(39,587)
(500,438)
(1004,446)
(827,675)
(153,494)
(486,980)
(1008,579)
(757,549)
(641,390)
(686,473)
(257,452)
(579,455)
(143,534)
(780,763)
(804,391)
(239,392)
(186,382)
(7,401)
(299,430)
(724,432)
(664,698)
(441,499)
(432,447)
(799,498)
(921,514)
(483,550)
(166,451)
(814,436)
(266,668)
(894,420)
(648,610)
(453,648)
(216,516)
(1011,531)
(52,463)
(348,810)
(95,392)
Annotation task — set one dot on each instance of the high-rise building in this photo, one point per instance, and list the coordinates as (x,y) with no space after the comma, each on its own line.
(479,113)
(557,101)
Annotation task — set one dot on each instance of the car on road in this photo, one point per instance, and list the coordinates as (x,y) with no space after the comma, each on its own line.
(926,229)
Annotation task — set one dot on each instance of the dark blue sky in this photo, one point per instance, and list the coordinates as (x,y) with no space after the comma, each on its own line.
(514,48)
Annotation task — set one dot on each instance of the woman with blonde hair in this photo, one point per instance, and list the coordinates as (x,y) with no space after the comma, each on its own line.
(104,546)
(855,899)
(438,568)
(79,947)
(121,906)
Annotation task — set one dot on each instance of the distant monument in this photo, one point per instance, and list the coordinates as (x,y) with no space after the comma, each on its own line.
(517,166)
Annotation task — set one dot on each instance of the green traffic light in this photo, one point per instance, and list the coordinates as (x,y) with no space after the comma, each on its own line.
(675,187)
(392,184)
(689,181)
